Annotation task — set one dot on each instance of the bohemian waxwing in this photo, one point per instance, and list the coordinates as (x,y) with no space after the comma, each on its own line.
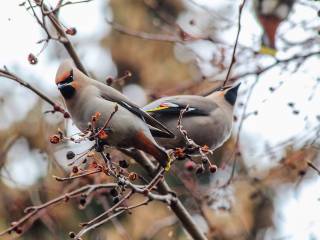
(208,119)
(129,127)
(270,14)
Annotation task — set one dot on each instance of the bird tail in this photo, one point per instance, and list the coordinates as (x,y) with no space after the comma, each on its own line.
(145,144)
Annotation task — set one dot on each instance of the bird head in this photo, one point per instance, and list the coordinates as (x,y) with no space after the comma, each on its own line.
(224,94)
(230,93)
(66,79)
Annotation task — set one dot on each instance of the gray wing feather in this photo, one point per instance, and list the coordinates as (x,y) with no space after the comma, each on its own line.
(113,95)
(197,104)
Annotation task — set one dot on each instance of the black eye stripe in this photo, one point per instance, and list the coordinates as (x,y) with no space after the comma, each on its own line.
(68,79)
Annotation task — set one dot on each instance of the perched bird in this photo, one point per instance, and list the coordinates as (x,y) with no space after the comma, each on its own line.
(208,119)
(270,14)
(129,127)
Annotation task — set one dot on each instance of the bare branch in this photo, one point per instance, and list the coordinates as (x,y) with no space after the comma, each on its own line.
(56,107)
(233,58)
(34,210)
(176,206)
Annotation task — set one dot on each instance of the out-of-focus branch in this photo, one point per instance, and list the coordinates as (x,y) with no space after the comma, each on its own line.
(63,38)
(157,226)
(276,63)
(144,35)
(180,37)
(66,43)
(34,210)
(56,107)
(233,59)
(63,4)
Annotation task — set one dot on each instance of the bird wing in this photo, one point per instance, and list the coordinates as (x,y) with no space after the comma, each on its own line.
(197,105)
(113,95)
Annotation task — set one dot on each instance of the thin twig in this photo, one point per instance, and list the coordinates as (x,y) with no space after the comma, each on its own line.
(32,211)
(233,58)
(310,164)
(144,35)
(64,38)
(176,206)
(86,173)
(56,108)
(61,5)
(276,63)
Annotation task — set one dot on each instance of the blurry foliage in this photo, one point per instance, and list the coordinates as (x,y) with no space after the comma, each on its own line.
(156,68)
(152,63)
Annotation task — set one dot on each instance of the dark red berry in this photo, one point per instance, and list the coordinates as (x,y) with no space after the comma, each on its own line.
(123,164)
(113,192)
(70,155)
(54,139)
(18,230)
(213,168)
(66,115)
(189,165)
(72,235)
(115,200)
(132,176)
(82,200)
(109,81)
(32,59)
(71,31)
(75,169)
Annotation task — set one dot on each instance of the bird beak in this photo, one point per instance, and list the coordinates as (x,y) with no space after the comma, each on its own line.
(236,87)
(233,89)
(63,85)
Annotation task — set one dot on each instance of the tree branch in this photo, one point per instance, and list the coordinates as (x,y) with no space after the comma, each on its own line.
(56,108)
(233,59)
(176,206)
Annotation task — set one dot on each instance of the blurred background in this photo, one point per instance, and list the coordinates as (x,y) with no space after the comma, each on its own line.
(172,47)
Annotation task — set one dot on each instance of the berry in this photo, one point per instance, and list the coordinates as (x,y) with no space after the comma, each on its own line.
(54,139)
(75,169)
(32,59)
(71,31)
(70,155)
(115,200)
(132,176)
(72,235)
(82,200)
(189,165)
(66,115)
(123,164)
(113,192)
(213,168)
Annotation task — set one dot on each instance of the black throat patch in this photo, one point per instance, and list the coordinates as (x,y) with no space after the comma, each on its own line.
(68,91)
(231,95)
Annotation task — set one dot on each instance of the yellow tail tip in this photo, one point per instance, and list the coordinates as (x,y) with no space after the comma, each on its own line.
(168,166)
(268,51)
